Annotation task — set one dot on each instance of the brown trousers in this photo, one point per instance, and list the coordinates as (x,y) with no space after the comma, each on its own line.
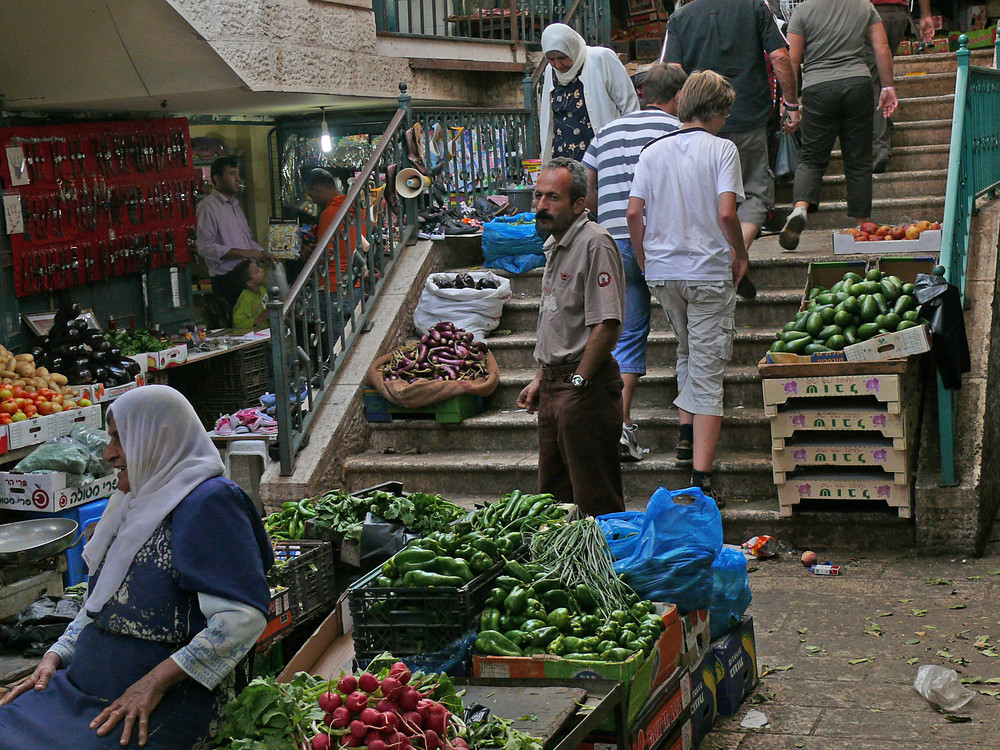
(578,435)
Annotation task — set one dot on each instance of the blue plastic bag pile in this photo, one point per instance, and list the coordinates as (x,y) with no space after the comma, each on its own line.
(511,243)
(673,553)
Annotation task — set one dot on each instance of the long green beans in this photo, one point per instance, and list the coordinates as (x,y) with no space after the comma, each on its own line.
(577,552)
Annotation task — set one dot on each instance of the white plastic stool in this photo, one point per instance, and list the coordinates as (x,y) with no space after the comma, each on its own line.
(245,462)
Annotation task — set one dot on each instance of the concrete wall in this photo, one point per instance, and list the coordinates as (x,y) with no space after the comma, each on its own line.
(958,519)
(325,47)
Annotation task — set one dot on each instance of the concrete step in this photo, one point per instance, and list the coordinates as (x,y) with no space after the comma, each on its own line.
(905,159)
(833,215)
(924,84)
(509,430)
(925,108)
(514,351)
(939,62)
(768,308)
(736,476)
(657,388)
(924,132)
(887,185)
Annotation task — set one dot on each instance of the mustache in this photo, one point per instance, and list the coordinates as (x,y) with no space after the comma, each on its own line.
(542,215)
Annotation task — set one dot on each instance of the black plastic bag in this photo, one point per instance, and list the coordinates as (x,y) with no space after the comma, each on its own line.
(787,156)
(38,625)
(941,304)
(381,539)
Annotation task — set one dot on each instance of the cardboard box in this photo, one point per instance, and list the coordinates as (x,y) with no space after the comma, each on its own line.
(645,17)
(99,393)
(978,39)
(941,23)
(906,269)
(328,650)
(828,273)
(846,486)
(929,241)
(667,707)
(944,45)
(682,738)
(860,452)
(48,493)
(975,18)
(904,48)
(887,389)
(736,674)
(650,48)
(39,429)
(161,360)
(697,638)
(704,696)
(909,342)
(640,676)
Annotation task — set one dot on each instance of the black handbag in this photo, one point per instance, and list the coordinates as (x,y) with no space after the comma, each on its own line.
(941,304)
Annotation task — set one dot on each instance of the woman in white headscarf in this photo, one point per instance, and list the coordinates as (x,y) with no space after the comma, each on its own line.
(177,597)
(585,88)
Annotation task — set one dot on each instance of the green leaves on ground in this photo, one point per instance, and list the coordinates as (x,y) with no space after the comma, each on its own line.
(765,670)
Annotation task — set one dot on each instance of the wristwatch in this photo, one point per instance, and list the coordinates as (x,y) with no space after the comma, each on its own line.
(578,381)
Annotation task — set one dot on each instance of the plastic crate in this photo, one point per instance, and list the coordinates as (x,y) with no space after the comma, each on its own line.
(308,574)
(450,411)
(279,619)
(224,384)
(412,621)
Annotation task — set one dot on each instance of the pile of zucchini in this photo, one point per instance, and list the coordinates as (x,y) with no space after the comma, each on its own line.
(852,310)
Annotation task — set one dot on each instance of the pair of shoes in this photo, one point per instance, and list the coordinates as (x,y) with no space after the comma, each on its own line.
(746,289)
(431,231)
(685,452)
(628,447)
(256,421)
(794,224)
(223,427)
(456,227)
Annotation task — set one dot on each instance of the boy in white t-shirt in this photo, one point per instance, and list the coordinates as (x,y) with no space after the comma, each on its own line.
(688,241)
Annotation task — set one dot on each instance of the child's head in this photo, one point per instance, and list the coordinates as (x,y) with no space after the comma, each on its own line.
(251,275)
(705,96)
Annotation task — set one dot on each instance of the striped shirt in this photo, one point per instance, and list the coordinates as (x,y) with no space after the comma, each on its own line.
(613,155)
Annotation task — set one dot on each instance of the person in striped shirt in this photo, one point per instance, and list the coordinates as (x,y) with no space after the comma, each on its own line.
(610,161)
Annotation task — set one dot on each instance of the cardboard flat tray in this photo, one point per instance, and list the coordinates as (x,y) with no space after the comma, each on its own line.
(781,365)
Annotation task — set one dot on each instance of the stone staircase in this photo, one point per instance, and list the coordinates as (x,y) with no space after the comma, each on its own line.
(496,451)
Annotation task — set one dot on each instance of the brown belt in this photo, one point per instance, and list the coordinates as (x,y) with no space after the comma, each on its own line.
(558,372)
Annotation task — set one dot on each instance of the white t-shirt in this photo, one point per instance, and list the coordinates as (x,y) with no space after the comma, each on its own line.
(680,177)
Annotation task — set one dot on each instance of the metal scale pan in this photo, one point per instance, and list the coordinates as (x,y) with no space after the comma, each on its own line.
(27,541)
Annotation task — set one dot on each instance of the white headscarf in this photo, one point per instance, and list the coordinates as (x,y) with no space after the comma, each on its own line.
(168,454)
(558,37)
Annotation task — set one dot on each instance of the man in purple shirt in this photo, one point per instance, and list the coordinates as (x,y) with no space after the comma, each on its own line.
(224,237)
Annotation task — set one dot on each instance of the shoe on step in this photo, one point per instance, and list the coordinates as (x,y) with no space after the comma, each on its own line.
(628,447)
(685,452)
(720,503)
(746,288)
(794,224)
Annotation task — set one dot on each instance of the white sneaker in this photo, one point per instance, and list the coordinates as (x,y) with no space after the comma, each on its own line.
(628,448)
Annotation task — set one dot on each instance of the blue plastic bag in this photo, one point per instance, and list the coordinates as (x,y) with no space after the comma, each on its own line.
(621,530)
(731,591)
(672,560)
(511,243)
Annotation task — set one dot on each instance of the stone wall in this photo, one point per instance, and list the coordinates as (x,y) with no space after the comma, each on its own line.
(324,47)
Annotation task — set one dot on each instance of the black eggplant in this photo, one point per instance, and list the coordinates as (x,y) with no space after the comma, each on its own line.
(118,374)
(79,376)
(131,366)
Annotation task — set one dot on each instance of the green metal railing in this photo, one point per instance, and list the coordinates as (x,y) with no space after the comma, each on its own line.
(330,301)
(510,20)
(973,171)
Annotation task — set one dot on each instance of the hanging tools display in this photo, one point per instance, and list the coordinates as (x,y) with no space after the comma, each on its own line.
(99,200)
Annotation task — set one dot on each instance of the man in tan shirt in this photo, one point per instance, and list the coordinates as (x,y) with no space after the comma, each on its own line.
(578,388)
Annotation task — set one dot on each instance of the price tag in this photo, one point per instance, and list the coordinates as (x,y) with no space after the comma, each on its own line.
(12,214)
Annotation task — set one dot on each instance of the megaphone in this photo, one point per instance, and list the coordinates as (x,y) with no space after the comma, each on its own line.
(410,183)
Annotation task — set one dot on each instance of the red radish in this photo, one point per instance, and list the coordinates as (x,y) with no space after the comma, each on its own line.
(358,729)
(413,719)
(436,720)
(408,699)
(400,671)
(377,745)
(347,684)
(396,741)
(368,683)
(321,742)
(371,737)
(356,702)
(349,741)
(390,721)
(387,706)
(460,743)
(369,715)
(329,701)
(391,687)
(341,718)
(431,740)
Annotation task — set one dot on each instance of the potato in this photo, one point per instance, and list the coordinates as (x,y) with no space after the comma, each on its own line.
(25,369)
(8,374)
(41,372)
(24,358)
(17,382)
(39,383)
(59,378)
(67,391)
(29,388)
(11,362)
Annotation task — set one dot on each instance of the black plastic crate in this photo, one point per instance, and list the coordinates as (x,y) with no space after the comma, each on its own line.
(414,620)
(225,383)
(309,575)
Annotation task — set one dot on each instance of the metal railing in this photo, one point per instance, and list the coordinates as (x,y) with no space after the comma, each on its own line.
(973,171)
(329,303)
(515,21)
(472,152)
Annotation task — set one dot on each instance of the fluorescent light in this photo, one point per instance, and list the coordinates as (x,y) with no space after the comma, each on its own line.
(324,139)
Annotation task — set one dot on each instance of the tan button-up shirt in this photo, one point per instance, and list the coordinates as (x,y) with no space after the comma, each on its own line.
(583,285)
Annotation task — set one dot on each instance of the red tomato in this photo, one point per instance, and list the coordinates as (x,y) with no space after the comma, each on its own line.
(45,393)
(30,410)
(45,408)
(57,398)
(8,406)
(17,391)
(5,393)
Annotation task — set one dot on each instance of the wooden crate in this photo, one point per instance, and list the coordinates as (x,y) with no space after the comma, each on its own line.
(853,487)
(453,410)
(855,452)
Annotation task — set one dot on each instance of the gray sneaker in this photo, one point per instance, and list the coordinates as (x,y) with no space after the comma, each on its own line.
(628,448)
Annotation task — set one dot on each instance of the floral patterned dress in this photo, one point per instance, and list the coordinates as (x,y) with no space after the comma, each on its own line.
(571,129)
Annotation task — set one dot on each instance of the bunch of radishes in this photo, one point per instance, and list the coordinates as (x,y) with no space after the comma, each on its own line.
(363,712)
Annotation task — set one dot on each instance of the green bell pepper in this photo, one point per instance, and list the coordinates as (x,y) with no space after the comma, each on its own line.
(496,644)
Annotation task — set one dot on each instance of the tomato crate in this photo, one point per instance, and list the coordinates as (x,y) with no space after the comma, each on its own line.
(450,411)
(309,574)
(408,621)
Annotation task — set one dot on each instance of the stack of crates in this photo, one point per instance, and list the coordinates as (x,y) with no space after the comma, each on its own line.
(846,431)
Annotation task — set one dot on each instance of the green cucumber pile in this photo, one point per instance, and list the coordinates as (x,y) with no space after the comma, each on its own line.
(852,310)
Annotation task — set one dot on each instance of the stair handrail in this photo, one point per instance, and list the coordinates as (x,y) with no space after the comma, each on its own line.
(306,355)
(972,172)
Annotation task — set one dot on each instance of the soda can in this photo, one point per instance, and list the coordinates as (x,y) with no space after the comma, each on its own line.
(762,546)
(825,569)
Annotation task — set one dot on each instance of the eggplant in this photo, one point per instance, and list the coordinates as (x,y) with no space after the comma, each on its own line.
(57,363)
(72,335)
(99,358)
(79,376)
(83,362)
(118,374)
(131,367)
(101,374)
(67,312)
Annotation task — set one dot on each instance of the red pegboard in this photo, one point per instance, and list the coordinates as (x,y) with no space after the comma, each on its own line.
(98,200)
